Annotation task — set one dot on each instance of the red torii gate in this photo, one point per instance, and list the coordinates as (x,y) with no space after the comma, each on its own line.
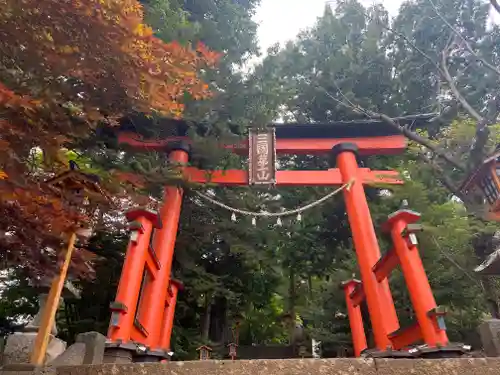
(143,313)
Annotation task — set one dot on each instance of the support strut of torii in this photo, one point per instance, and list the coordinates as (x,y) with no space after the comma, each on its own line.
(143,313)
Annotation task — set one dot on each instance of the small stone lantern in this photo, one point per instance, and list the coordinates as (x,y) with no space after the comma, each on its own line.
(302,351)
(484,185)
(205,352)
(237,320)
(289,323)
(287,319)
(232,350)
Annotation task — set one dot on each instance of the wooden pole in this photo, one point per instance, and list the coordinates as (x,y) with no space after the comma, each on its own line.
(51,306)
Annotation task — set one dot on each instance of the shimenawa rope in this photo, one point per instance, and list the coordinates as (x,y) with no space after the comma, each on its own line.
(299,210)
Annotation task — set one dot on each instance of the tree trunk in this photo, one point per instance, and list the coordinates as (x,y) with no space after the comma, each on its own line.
(483,246)
(205,327)
(291,306)
(491,297)
(310,287)
(218,320)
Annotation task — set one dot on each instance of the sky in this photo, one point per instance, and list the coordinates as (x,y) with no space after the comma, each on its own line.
(281,20)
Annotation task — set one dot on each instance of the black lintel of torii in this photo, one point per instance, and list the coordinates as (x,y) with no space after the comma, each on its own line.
(291,130)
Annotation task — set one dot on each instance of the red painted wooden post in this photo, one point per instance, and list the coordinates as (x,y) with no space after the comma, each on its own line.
(164,243)
(168,320)
(380,304)
(355,318)
(416,279)
(124,308)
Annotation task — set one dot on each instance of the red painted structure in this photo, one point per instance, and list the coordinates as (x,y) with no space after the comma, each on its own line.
(330,177)
(153,308)
(140,259)
(384,145)
(429,326)
(378,295)
(355,318)
(168,320)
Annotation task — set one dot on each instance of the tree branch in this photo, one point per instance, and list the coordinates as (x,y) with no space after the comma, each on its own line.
(417,138)
(466,44)
(402,129)
(454,89)
(407,40)
(496,5)
(456,264)
(482,131)
(441,175)
(448,183)
(442,68)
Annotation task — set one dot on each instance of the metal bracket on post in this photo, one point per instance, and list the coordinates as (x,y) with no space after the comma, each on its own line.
(150,215)
(117,308)
(439,313)
(135,229)
(136,226)
(410,231)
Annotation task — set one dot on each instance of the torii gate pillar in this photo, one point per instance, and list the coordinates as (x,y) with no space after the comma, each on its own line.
(143,312)
(379,299)
(164,242)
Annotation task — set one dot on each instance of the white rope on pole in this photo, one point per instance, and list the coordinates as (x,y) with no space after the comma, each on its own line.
(299,210)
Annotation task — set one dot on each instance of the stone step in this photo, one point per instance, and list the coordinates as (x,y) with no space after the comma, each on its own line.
(469,366)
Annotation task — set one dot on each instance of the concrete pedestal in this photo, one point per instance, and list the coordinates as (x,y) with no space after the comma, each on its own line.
(87,350)
(19,346)
(490,337)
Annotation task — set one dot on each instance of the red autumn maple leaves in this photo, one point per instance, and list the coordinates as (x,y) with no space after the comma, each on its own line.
(65,66)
